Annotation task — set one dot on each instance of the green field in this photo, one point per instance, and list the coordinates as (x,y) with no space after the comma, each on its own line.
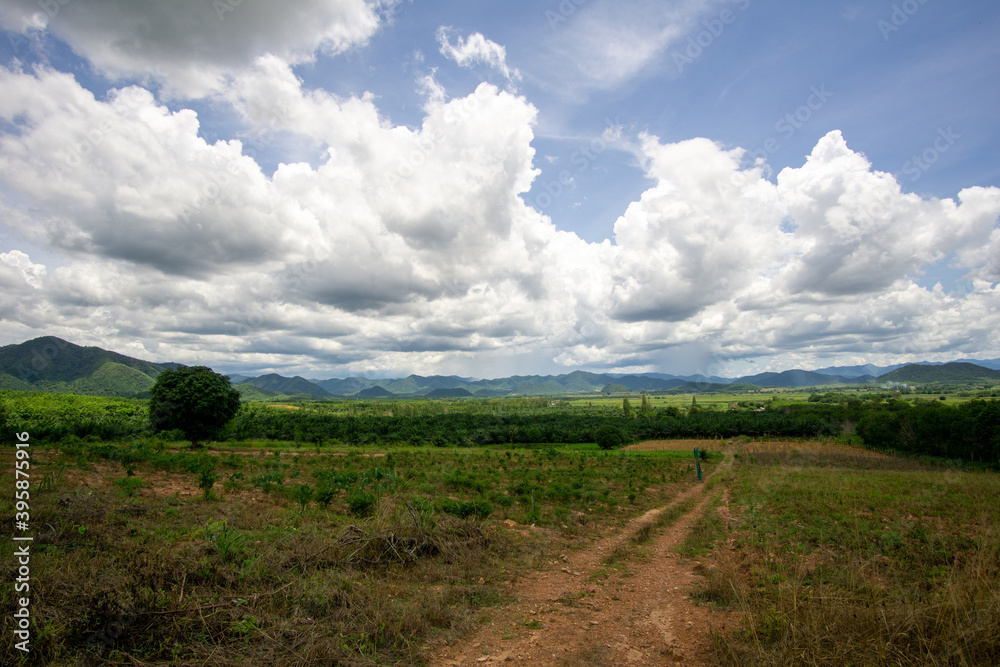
(347,555)
(864,564)
(365,533)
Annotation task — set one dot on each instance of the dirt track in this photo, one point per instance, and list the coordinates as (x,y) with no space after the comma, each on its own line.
(563,617)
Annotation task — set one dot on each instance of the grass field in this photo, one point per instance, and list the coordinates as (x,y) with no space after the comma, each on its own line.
(279,556)
(273,553)
(857,559)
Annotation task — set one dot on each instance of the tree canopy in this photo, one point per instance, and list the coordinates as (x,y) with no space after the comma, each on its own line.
(194,400)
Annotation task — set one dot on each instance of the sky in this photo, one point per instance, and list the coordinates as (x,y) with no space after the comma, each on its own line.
(485,188)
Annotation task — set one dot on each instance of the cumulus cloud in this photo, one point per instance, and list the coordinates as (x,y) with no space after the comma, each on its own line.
(411,249)
(190,45)
(475,50)
(29,272)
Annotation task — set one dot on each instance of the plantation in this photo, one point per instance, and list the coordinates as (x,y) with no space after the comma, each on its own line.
(419,532)
(280,555)
(966,430)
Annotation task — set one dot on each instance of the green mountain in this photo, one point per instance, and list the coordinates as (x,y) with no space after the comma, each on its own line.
(443,392)
(797,378)
(288,386)
(55,365)
(953,373)
(112,379)
(375,392)
(249,392)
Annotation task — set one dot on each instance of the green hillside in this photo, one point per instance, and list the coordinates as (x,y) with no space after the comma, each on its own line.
(112,379)
(8,381)
(953,373)
(51,364)
(288,386)
(375,392)
(249,392)
(51,359)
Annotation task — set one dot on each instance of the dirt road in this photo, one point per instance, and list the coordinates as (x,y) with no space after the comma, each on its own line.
(563,616)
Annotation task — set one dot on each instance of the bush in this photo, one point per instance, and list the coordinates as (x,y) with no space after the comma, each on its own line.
(360,503)
(609,437)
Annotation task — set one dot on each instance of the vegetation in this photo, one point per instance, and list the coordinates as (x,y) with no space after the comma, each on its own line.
(355,532)
(194,400)
(946,373)
(966,430)
(347,557)
(836,565)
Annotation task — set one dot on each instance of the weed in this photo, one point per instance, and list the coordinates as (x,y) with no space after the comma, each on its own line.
(225,540)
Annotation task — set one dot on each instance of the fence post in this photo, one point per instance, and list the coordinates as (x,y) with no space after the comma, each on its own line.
(697,462)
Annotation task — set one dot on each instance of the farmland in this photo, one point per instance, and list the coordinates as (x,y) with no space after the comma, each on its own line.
(367,533)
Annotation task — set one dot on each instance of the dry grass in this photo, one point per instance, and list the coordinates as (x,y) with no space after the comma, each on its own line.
(164,576)
(841,566)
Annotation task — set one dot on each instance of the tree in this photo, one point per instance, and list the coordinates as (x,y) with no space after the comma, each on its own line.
(627,408)
(194,400)
(609,437)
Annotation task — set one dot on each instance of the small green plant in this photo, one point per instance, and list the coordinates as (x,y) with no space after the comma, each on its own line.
(225,540)
(206,479)
(128,485)
(246,626)
(479,508)
(234,483)
(326,494)
(49,480)
(360,502)
(303,494)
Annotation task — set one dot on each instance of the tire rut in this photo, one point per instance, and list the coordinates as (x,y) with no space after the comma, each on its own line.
(641,616)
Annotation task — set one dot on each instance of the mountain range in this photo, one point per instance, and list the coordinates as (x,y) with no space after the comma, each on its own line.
(55,365)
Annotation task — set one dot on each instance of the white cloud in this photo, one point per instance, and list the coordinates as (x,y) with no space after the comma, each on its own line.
(28,271)
(474,50)
(190,45)
(412,250)
(607,43)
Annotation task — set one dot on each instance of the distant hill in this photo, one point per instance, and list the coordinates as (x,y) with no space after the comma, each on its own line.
(249,392)
(796,378)
(53,359)
(953,373)
(375,392)
(52,364)
(443,392)
(345,386)
(854,372)
(288,386)
(55,365)
(615,388)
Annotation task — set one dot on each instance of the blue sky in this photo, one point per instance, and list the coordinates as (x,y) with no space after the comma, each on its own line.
(489,188)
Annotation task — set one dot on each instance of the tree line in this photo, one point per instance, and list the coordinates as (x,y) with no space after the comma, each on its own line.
(968,431)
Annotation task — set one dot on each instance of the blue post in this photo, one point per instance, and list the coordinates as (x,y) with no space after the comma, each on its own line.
(697,462)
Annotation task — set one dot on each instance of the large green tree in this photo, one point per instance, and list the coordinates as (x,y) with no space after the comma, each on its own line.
(194,400)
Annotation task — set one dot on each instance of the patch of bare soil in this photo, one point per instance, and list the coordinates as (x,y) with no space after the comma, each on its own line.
(675,445)
(564,616)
